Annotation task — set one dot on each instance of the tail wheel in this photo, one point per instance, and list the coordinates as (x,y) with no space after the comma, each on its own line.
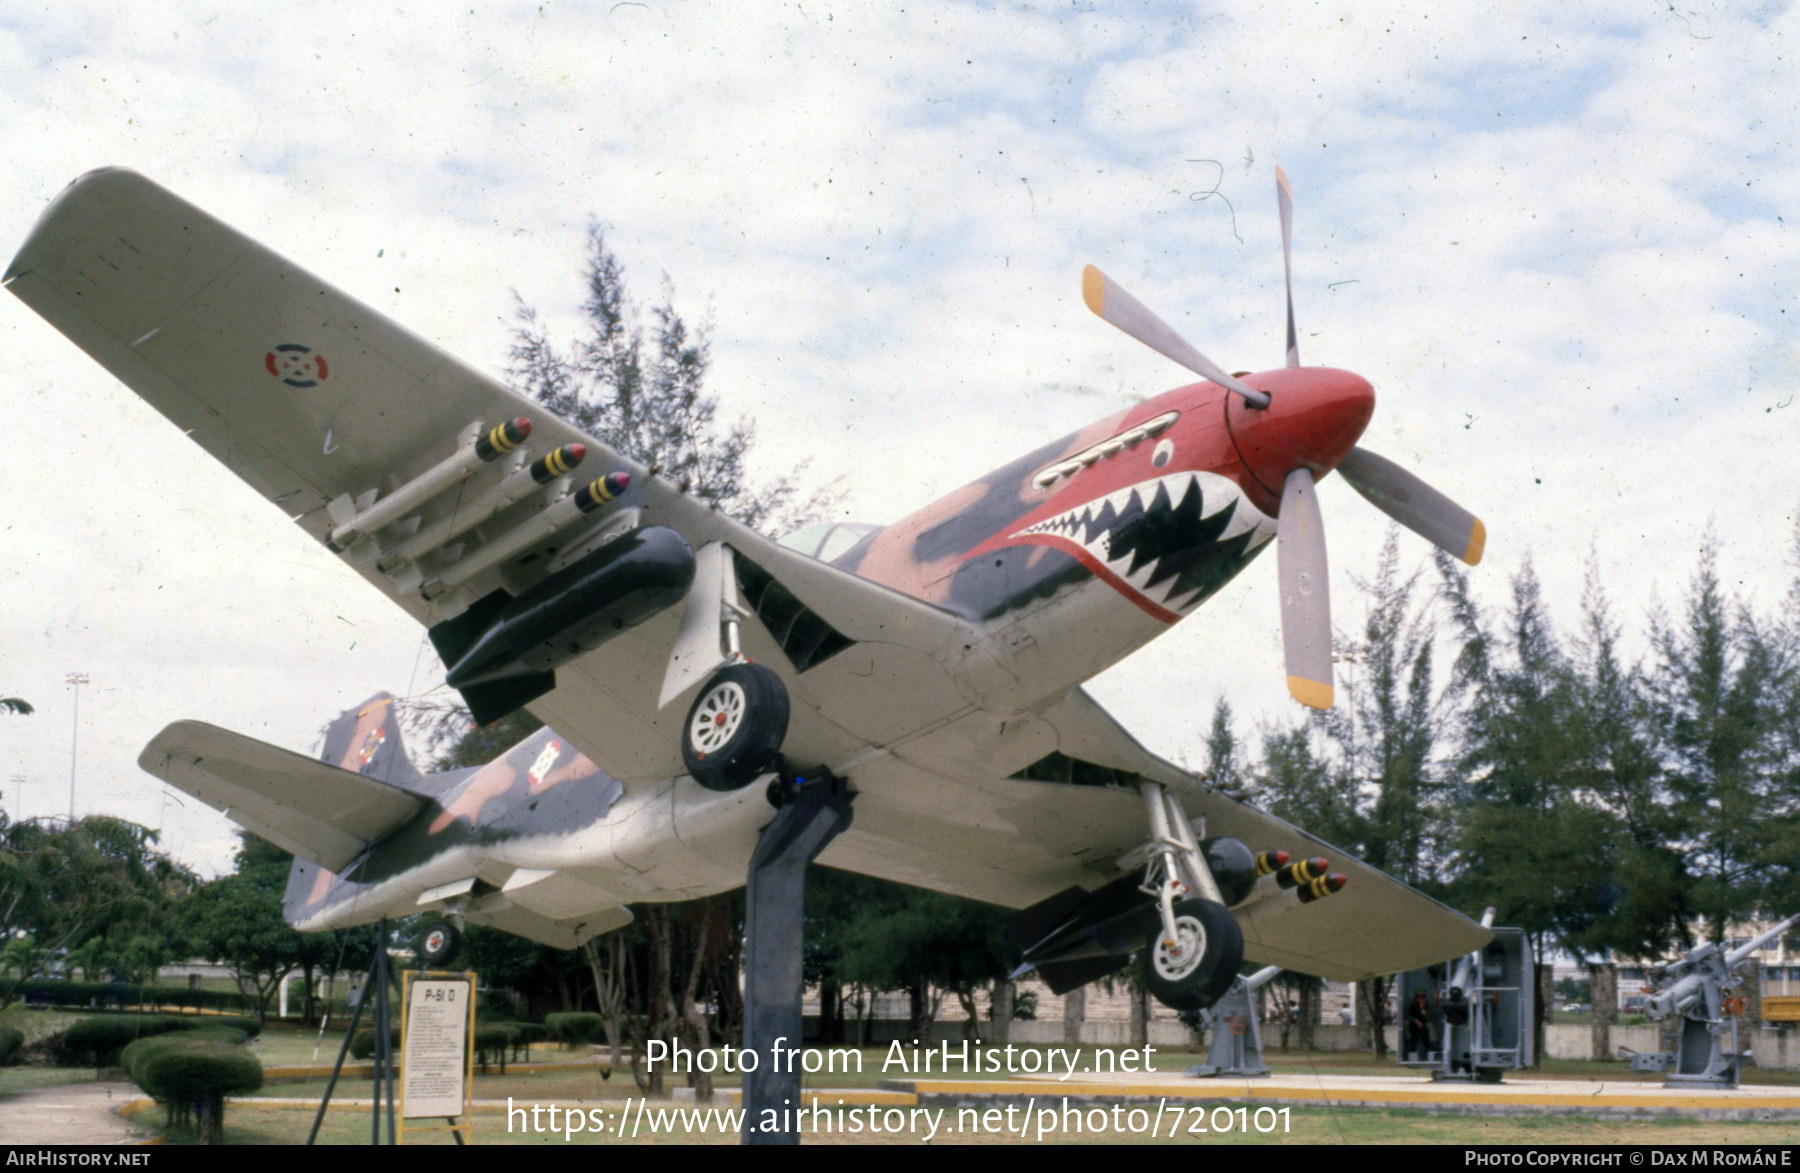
(439,945)
(1195,968)
(736,727)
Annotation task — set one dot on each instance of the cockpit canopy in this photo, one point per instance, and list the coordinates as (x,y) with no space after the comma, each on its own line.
(828,540)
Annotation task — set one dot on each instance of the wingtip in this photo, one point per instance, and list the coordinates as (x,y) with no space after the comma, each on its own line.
(1477,543)
(1281,181)
(1311,693)
(1093,290)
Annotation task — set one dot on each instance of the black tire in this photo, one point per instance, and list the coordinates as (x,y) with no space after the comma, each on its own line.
(439,944)
(735,727)
(1198,972)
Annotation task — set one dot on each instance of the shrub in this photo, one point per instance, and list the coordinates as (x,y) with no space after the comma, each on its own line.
(11,1042)
(85,995)
(249,1026)
(529,1033)
(363,1045)
(192,1076)
(576,1028)
(492,1042)
(97,1041)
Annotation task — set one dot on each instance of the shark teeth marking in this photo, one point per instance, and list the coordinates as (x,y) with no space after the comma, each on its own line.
(1173,540)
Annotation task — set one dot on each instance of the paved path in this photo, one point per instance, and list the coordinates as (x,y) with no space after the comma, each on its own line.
(71,1113)
(1518,1095)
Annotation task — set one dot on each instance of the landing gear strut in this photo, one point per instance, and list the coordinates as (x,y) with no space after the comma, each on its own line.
(1192,961)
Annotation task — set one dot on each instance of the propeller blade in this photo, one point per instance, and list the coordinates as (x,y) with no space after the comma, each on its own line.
(1284,195)
(1415,504)
(1305,592)
(1113,305)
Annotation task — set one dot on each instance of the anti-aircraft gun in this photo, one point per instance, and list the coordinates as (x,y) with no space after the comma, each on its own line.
(1696,989)
(1480,1007)
(1236,1035)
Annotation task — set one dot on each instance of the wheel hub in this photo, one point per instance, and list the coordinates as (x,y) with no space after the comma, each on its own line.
(1177,958)
(717,717)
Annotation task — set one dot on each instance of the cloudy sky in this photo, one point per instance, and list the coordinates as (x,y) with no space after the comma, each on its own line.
(1553,236)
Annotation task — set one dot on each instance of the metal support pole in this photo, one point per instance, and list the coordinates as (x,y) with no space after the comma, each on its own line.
(813,813)
(338,1067)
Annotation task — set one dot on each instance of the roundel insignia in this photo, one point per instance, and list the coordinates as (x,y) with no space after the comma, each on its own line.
(296,365)
(545,762)
(370,746)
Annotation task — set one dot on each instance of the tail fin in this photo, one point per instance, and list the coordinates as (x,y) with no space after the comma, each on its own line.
(367,740)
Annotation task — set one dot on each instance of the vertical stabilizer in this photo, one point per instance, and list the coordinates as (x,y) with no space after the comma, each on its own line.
(366,740)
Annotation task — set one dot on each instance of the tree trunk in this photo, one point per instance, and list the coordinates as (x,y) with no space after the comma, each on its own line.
(1002,1010)
(1603,988)
(1312,1004)
(609,990)
(1546,1011)
(919,998)
(831,1017)
(1074,1014)
(700,1038)
(1372,1009)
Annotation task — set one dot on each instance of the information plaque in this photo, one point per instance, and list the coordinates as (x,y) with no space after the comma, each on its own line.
(437,1056)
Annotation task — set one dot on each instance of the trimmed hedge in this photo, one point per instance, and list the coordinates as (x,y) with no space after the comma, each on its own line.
(363,1045)
(191,1076)
(492,1043)
(97,1041)
(82,995)
(576,1028)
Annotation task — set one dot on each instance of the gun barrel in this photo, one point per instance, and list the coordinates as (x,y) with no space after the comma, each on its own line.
(1755,943)
(1261,977)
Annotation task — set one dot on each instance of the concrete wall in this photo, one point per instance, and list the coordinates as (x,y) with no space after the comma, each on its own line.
(1774,1050)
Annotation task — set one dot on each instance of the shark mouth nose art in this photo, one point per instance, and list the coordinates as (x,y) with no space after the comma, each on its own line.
(1166,544)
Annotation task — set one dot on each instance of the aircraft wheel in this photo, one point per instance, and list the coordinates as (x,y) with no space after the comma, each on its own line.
(439,945)
(736,727)
(1194,971)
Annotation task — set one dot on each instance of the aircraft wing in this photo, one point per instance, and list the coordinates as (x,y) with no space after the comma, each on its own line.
(314,398)
(1375,926)
(318,812)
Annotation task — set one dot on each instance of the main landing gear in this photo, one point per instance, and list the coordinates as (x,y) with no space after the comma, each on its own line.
(735,728)
(1192,959)
(439,944)
(733,732)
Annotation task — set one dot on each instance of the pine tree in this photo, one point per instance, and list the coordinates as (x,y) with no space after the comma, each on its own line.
(1716,690)
(644,396)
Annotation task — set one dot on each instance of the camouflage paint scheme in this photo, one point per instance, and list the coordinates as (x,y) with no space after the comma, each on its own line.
(540,784)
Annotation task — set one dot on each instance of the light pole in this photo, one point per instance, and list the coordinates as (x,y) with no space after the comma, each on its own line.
(76,679)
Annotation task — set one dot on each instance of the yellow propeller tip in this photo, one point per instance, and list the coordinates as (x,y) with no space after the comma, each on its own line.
(1093,290)
(1310,693)
(1477,543)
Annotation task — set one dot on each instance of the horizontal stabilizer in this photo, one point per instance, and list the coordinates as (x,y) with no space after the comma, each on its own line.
(319,812)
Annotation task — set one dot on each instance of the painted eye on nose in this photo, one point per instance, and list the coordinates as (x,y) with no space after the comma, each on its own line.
(1164,453)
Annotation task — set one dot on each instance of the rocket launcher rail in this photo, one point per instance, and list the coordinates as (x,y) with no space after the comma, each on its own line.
(486,448)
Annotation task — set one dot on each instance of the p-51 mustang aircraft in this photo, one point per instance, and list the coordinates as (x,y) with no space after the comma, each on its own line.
(679,658)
